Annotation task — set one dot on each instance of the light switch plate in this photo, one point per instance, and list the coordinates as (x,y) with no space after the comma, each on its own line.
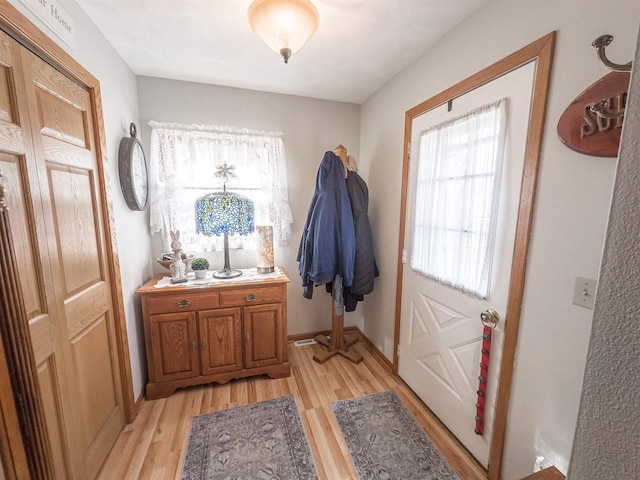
(584,292)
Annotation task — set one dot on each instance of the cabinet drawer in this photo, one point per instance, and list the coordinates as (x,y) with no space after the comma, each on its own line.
(182,303)
(251,296)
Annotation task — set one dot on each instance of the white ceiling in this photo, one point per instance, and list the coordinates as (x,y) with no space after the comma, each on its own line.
(359,45)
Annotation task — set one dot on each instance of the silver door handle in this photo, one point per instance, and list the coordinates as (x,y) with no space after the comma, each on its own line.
(490,318)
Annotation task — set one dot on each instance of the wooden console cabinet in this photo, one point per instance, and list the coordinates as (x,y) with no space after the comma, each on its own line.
(197,333)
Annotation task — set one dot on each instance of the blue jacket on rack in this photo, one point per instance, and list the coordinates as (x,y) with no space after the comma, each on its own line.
(328,243)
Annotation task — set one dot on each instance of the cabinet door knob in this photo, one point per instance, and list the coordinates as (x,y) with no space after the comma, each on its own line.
(204,344)
(252,297)
(194,344)
(183,303)
(247,336)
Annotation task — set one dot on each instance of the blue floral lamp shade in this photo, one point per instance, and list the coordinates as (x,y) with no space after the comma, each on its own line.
(224,213)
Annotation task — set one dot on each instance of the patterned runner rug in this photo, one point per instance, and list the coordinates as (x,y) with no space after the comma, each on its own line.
(263,440)
(385,441)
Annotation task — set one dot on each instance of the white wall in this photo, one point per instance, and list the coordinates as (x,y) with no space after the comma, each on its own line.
(571,210)
(608,432)
(310,128)
(120,107)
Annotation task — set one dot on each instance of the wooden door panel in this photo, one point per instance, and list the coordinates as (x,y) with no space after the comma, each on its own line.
(262,328)
(99,399)
(86,307)
(64,154)
(43,336)
(95,378)
(175,353)
(7,106)
(94,456)
(11,138)
(53,415)
(221,340)
(11,134)
(48,78)
(21,217)
(74,216)
(62,120)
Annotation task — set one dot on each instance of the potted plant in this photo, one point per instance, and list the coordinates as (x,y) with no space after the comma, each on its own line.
(200,266)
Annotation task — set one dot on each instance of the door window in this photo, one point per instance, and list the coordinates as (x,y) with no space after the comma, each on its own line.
(457,197)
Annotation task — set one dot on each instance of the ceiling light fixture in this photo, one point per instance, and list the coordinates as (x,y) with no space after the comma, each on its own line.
(284,25)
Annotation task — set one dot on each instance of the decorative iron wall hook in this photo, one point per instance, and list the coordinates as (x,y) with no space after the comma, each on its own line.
(601,108)
(600,44)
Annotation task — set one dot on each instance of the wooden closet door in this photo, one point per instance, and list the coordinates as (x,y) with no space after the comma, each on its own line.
(22,178)
(47,155)
(61,121)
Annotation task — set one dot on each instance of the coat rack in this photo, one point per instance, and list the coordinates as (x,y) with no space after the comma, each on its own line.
(339,343)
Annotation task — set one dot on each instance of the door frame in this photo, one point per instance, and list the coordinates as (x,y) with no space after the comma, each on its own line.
(30,36)
(541,51)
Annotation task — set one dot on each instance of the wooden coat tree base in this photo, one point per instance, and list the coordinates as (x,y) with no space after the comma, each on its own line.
(347,341)
(339,343)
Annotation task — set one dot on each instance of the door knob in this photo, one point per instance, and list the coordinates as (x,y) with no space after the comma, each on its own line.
(490,318)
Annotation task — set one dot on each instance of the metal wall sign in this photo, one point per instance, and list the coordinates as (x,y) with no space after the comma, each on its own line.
(55,17)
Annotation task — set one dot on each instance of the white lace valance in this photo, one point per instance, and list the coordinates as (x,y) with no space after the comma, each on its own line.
(183,160)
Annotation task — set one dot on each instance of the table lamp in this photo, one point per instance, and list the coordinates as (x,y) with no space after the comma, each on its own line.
(224,213)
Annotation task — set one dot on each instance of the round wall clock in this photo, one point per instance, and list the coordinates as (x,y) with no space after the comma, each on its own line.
(132,169)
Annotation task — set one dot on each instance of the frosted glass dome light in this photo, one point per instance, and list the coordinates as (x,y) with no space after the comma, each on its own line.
(284,25)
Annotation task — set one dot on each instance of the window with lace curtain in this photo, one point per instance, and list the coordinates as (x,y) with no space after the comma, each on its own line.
(457,198)
(183,160)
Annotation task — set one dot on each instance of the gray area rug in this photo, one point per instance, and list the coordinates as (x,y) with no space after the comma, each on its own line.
(260,441)
(385,441)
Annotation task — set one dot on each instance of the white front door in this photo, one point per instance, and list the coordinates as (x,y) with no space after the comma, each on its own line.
(440,327)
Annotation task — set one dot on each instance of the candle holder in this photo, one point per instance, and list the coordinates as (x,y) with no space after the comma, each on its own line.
(264,240)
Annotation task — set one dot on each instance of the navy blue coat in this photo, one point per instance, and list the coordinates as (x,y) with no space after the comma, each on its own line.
(328,243)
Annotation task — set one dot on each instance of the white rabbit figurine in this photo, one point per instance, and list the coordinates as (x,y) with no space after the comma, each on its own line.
(178,267)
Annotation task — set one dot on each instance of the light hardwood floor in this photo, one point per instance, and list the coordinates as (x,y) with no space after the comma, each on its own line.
(153,446)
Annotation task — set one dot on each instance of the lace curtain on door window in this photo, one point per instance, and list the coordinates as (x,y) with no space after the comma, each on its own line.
(183,160)
(457,198)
